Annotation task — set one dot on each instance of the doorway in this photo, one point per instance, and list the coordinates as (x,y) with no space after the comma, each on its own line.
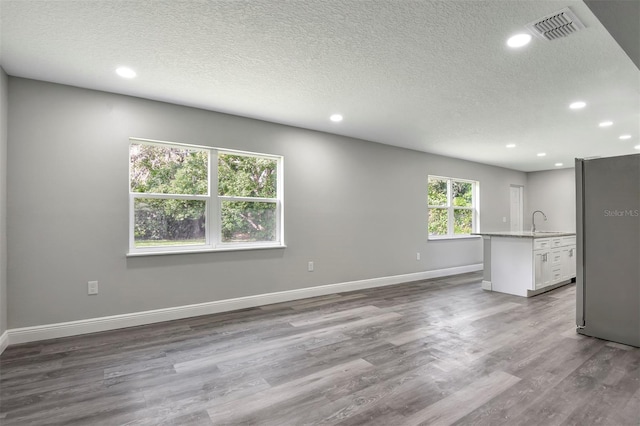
(516,207)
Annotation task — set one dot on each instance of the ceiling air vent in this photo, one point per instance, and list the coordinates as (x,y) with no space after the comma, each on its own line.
(556,25)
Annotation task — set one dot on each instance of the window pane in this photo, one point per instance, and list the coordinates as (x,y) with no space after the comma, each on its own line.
(438,221)
(248,221)
(462,221)
(168,170)
(161,222)
(244,176)
(437,192)
(462,194)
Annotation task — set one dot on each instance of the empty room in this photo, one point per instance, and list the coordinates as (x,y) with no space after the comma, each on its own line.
(305,212)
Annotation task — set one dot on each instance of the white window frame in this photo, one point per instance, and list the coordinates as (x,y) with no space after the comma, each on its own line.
(213,211)
(475,203)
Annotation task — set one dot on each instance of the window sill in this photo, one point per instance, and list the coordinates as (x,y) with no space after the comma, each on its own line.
(202,250)
(452,237)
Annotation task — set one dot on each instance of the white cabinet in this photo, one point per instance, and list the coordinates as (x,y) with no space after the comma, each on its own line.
(554,261)
(541,269)
(568,262)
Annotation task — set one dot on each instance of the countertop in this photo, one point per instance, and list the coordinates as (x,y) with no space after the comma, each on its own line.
(527,234)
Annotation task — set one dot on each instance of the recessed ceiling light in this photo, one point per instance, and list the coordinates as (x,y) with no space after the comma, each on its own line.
(624,137)
(637,147)
(606,124)
(578,105)
(125,72)
(336,118)
(559,164)
(519,40)
(542,154)
(511,145)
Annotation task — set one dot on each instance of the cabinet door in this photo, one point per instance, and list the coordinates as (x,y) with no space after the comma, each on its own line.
(566,261)
(570,262)
(541,269)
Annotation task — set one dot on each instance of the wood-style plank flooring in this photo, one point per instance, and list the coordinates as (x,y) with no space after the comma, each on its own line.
(436,352)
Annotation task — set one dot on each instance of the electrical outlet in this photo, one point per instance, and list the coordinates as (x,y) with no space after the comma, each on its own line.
(418,256)
(504,219)
(310,266)
(92,287)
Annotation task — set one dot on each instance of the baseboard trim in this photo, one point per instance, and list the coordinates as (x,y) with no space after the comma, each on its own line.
(92,325)
(4,341)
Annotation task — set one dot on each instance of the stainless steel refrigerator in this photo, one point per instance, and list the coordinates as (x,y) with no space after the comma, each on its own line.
(608,248)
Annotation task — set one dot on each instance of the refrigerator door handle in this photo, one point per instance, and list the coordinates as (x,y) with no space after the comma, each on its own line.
(580,285)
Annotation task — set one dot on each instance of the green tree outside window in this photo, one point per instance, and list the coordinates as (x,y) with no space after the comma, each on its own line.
(172,199)
(451,206)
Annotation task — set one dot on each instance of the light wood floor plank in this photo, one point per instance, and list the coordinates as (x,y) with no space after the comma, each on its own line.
(455,406)
(348,313)
(296,389)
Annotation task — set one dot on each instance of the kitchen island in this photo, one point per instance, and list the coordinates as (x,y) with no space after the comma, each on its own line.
(528,263)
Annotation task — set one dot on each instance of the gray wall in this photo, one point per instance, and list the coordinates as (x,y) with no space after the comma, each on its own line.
(356,208)
(553,192)
(3,200)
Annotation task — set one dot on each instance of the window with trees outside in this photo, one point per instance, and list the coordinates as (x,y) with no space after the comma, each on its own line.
(191,198)
(453,209)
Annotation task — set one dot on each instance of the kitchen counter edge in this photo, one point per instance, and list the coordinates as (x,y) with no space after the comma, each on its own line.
(525,234)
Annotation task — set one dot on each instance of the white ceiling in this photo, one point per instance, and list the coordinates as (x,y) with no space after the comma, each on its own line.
(433,76)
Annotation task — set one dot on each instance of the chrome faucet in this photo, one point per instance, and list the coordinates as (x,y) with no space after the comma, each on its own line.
(533,219)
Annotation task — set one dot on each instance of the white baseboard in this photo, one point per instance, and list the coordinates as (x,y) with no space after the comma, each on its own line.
(4,341)
(92,325)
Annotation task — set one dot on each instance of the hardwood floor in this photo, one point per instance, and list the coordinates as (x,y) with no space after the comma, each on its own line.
(435,352)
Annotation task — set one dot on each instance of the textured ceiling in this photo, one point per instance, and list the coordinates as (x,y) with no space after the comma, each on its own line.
(434,76)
